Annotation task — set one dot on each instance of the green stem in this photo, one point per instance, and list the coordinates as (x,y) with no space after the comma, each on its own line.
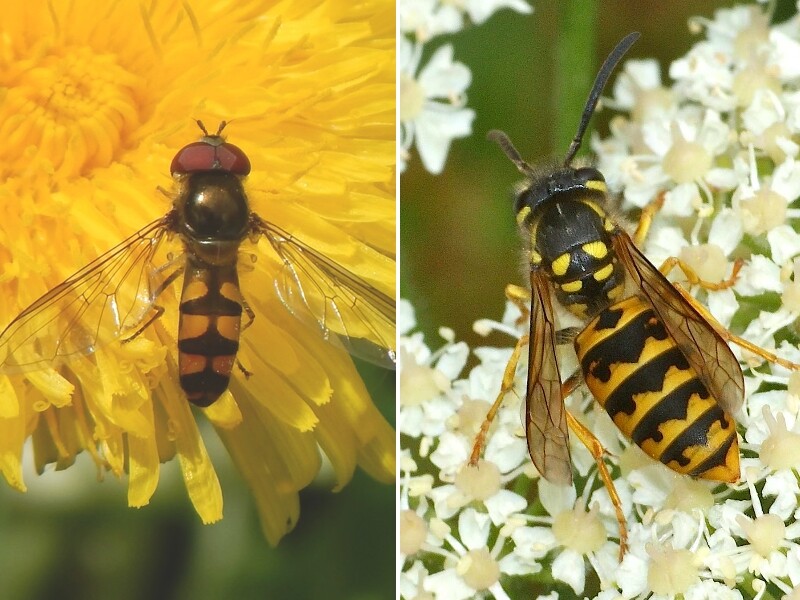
(575,66)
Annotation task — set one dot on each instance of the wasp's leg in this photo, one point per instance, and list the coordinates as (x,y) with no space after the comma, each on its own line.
(733,338)
(646,219)
(598,451)
(521,298)
(694,279)
(506,386)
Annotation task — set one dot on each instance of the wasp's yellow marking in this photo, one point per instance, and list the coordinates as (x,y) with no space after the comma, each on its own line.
(560,265)
(604,273)
(572,286)
(595,207)
(615,293)
(536,258)
(523,214)
(596,184)
(596,249)
(608,225)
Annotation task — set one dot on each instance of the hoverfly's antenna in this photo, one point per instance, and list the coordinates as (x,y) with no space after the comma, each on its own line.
(202,127)
(599,83)
(506,146)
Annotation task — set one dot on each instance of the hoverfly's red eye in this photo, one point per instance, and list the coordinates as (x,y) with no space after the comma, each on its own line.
(205,156)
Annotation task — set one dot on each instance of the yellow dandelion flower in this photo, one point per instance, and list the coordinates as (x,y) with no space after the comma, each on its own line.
(95,101)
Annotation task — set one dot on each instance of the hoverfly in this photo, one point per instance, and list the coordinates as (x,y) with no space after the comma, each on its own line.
(651,356)
(116,295)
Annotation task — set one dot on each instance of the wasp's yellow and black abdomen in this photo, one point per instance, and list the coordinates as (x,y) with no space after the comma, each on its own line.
(208,332)
(642,378)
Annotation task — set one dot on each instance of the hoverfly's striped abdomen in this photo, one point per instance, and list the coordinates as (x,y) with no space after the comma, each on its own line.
(208,332)
(637,372)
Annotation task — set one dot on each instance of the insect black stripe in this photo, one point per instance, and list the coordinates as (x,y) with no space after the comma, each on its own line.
(625,345)
(696,434)
(673,406)
(210,343)
(648,377)
(718,458)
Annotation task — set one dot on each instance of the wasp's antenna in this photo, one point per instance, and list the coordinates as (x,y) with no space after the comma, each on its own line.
(599,83)
(506,146)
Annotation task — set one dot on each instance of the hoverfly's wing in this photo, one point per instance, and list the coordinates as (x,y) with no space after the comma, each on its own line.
(344,306)
(546,426)
(107,299)
(705,350)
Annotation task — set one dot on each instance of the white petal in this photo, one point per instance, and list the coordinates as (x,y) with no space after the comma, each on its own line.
(504,504)
(436,128)
(443,78)
(447,585)
(556,498)
(758,276)
(569,568)
(784,243)
(474,528)
(726,230)
(480,10)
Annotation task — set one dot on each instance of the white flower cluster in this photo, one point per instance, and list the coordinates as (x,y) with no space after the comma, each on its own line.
(432,97)
(721,146)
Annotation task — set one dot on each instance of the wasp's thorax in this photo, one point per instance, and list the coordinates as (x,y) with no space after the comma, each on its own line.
(570,237)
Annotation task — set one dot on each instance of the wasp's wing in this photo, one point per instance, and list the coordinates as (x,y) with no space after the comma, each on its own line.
(705,350)
(344,306)
(546,427)
(107,299)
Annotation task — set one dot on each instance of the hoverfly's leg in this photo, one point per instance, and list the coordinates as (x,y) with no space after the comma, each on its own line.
(646,219)
(506,386)
(732,338)
(598,451)
(694,279)
(521,298)
(251,316)
(158,309)
(242,368)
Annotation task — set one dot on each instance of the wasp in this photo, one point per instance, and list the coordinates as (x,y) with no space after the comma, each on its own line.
(651,356)
(116,295)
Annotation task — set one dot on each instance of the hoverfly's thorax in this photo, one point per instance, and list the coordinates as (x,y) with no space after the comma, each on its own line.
(213,206)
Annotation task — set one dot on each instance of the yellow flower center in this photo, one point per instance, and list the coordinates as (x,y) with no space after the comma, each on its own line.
(579,530)
(766,533)
(478,569)
(413,530)
(66,109)
(764,211)
(479,482)
(686,161)
(671,571)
